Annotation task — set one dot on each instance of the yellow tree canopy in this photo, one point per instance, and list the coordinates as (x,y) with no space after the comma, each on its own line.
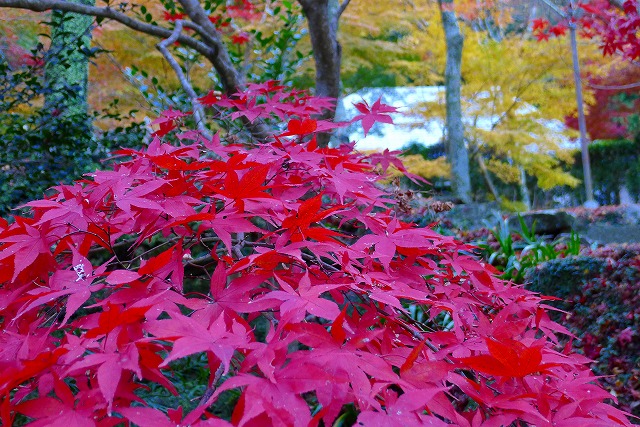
(516,91)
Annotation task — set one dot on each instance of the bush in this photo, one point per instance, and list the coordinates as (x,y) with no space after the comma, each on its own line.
(600,294)
(564,278)
(614,164)
(276,279)
(42,147)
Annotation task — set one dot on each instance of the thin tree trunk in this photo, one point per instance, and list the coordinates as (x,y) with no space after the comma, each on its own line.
(322,20)
(456,149)
(524,190)
(487,177)
(582,123)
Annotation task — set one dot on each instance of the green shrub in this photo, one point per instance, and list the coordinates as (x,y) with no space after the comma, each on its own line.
(564,277)
(600,294)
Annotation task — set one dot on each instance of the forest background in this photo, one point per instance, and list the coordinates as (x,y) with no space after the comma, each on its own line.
(517,75)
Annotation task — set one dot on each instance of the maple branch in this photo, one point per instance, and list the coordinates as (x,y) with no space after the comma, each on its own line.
(237,248)
(323,264)
(614,87)
(109,13)
(198,111)
(231,80)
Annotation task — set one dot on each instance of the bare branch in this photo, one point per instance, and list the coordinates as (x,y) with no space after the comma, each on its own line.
(342,8)
(214,385)
(614,87)
(237,248)
(230,78)
(198,111)
(107,12)
(555,8)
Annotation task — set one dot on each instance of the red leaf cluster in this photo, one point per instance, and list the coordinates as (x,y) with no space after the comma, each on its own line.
(363,310)
(617,29)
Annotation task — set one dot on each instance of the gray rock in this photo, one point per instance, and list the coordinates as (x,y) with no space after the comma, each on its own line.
(550,222)
(611,233)
(471,216)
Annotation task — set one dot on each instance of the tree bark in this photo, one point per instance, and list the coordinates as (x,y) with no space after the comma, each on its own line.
(582,122)
(322,19)
(456,148)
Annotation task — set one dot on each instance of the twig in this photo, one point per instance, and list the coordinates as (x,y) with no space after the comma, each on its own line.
(214,385)
(237,248)
(555,9)
(198,111)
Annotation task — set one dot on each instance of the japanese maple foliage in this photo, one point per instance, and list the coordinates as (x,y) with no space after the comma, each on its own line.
(617,28)
(183,249)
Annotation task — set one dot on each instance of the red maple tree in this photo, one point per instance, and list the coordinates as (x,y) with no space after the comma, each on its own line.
(182,249)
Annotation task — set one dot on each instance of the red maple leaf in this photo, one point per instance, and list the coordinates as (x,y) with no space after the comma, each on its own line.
(169,16)
(211,98)
(508,358)
(378,112)
(300,127)
(299,222)
(558,30)
(539,24)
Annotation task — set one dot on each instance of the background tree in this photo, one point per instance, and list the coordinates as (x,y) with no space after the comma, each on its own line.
(48,137)
(67,64)
(510,102)
(457,152)
(208,41)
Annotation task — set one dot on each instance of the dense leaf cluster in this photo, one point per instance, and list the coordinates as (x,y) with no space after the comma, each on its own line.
(284,267)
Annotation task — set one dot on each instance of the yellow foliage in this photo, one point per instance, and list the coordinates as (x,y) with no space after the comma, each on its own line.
(516,91)
(428,169)
(418,165)
(504,171)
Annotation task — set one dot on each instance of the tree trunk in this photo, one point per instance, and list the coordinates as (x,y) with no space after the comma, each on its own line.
(487,177)
(524,189)
(322,19)
(456,149)
(582,123)
(67,68)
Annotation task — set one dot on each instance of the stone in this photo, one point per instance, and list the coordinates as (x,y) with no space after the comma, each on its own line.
(549,222)
(472,216)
